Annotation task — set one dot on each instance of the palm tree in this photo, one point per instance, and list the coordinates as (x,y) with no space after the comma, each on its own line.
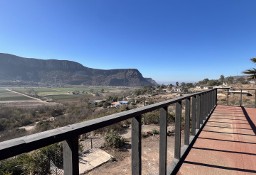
(251,72)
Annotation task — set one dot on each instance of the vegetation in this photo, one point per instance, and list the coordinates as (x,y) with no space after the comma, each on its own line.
(251,72)
(34,163)
(114,140)
(153,118)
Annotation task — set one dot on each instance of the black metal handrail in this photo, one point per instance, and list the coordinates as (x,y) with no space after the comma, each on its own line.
(239,91)
(198,107)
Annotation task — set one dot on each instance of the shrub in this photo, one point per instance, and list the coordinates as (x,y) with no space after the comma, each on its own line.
(114,140)
(155,132)
(151,118)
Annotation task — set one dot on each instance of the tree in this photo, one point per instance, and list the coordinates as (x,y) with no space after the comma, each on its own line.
(213,83)
(204,81)
(183,84)
(222,78)
(177,83)
(251,72)
(241,80)
(230,80)
(190,85)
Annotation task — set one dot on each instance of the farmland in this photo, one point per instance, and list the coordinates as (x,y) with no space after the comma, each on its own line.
(66,94)
(30,97)
(6,95)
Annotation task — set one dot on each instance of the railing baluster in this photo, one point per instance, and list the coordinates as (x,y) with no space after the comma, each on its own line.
(216,97)
(136,145)
(70,156)
(193,116)
(208,104)
(177,130)
(212,97)
(255,98)
(197,111)
(205,104)
(163,141)
(212,100)
(227,98)
(241,98)
(187,122)
(201,109)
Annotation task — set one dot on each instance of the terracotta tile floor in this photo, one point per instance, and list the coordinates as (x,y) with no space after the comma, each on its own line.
(226,145)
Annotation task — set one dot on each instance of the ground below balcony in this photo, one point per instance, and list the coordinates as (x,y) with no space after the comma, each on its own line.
(226,145)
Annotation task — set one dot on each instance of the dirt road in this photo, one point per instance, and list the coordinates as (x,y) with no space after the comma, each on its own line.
(34,98)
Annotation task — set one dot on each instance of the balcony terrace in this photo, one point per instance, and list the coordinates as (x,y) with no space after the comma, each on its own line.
(218,139)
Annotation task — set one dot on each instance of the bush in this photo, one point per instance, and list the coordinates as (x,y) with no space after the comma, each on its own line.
(151,118)
(34,163)
(155,132)
(114,140)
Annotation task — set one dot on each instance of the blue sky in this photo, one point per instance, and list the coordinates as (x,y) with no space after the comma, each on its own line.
(174,40)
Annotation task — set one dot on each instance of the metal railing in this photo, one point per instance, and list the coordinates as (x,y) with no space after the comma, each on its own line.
(198,108)
(239,93)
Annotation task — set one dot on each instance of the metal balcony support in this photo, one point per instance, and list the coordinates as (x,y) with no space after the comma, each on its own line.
(70,156)
(255,98)
(163,141)
(197,111)
(177,131)
(241,98)
(187,122)
(193,116)
(136,145)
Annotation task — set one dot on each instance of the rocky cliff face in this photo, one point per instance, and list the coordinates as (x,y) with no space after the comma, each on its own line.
(13,68)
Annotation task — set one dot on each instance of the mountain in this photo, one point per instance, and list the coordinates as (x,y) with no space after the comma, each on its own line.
(52,72)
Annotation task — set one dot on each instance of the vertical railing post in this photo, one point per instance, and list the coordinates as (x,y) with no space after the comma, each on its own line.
(227,97)
(70,156)
(211,100)
(136,145)
(193,116)
(163,141)
(213,97)
(177,144)
(208,104)
(204,104)
(216,97)
(197,111)
(241,98)
(187,122)
(255,98)
(201,108)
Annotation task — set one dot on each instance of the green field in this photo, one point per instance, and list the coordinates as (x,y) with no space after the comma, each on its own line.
(10,96)
(65,93)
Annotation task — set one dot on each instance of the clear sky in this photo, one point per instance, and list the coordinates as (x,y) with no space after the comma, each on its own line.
(172,40)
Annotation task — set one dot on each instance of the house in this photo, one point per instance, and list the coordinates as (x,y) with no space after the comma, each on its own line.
(118,103)
(176,89)
(115,104)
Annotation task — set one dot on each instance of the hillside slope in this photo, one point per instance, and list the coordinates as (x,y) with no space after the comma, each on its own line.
(15,68)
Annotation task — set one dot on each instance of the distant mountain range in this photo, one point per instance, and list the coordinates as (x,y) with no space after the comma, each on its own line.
(52,72)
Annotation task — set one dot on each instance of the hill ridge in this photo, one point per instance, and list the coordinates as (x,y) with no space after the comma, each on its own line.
(54,71)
